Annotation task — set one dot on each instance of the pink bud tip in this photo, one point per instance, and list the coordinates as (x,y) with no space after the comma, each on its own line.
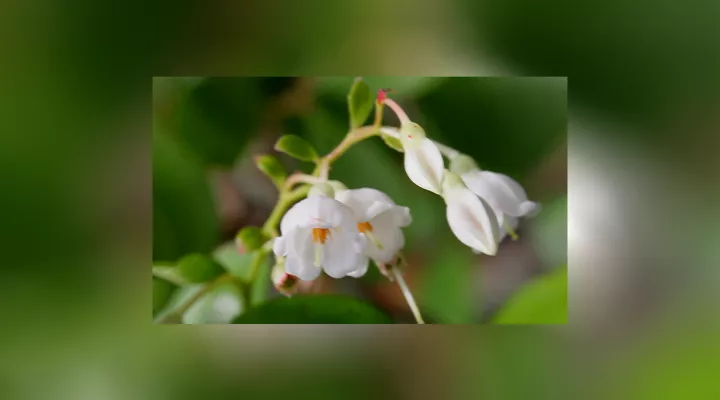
(382,95)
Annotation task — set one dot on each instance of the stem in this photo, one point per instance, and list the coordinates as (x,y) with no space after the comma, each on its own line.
(397,110)
(296,178)
(447,151)
(284,202)
(408,296)
(353,137)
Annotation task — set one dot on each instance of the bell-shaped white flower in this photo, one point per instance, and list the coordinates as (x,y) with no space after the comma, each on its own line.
(319,233)
(423,161)
(471,218)
(379,219)
(507,198)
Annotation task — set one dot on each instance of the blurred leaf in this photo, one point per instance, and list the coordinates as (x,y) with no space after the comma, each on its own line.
(235,263)
(184,217)
(218,117)
(162,290)
(360,103)
(393,143)
(445,290)
(323,309)
(296,147)
(169,273)
(508,125)
(251,238)
(549,232)
(259,288)
(198,268)
(271,167)
(541,301)
(219,306)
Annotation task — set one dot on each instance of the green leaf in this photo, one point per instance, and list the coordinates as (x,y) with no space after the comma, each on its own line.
(259,288)
(271,167)
(543,301)
(238,265)
(251,238)
(184,217)
(393,143)
(219,306)
(296,147)
(169,273)
(324,309)
(162,290)
(198,268)
(360,103)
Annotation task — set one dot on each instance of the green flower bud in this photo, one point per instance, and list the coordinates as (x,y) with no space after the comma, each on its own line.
(462,164)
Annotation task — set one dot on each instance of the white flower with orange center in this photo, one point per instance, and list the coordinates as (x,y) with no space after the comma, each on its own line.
(319,233)
(379,219)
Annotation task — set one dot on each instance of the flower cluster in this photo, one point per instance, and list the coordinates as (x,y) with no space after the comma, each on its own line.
(339,230)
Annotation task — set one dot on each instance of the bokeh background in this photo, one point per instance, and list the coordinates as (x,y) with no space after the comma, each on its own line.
(642,198)
(206,188)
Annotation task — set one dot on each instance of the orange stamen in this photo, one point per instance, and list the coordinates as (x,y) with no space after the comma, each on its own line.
(364,227)
(320,235)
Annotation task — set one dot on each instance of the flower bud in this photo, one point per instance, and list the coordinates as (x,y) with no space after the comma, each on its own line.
(337,186)
(423,161)
(283,282)
(462,164)
(322,189)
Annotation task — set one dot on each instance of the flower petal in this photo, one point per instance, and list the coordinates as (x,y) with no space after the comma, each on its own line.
(501,191)
(319,212)
(473,221)
(362,267)
(301,255)
(365,203)
(280,247)
(390,236)
(341,255)
(424,166)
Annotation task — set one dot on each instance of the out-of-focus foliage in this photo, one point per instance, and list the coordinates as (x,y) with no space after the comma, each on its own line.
(184,217)
(542,301)
(327,309)
(360,103)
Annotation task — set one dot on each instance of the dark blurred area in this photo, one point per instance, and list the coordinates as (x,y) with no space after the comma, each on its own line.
(77,207)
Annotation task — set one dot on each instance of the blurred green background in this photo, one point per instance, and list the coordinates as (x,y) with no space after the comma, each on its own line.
(208,131)
(77,217)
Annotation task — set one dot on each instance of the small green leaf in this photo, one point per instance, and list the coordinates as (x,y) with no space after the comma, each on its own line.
(259,288)
(162,290)
(198,268)
(543,301)
(360,103)
(238,265)
(296,147)
(271,167)
(169,273)
(219,306)
(251,238)
(393,143)
(324,309)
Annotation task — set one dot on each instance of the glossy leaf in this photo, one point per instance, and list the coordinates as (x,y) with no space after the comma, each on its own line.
(360,103)
(540,301)
(321,309)
(296,147)
(271,167)
(198,268)
(219,306)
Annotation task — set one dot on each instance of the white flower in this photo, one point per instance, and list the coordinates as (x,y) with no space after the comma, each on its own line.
(378,218)
(471,219)
(319,233)
(423,161)
(507,198)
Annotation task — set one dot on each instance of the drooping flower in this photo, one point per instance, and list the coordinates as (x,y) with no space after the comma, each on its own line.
(319,233)
(423,161)
(507,198)
(471,218)
(283,282)
(379,219)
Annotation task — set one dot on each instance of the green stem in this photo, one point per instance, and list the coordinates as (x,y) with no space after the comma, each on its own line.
(408,296)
